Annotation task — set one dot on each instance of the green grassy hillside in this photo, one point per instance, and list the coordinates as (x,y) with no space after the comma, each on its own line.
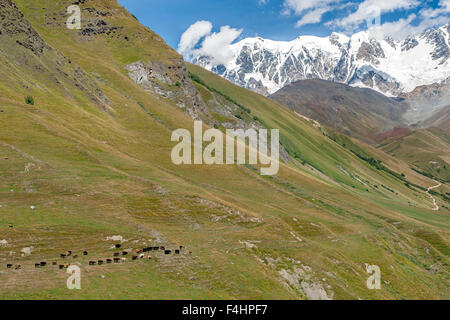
(426,150)
(91,159)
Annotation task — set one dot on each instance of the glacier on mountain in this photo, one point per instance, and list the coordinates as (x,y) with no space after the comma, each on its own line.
(386,65)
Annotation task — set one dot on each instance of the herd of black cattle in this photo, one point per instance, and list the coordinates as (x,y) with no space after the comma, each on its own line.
(138,254)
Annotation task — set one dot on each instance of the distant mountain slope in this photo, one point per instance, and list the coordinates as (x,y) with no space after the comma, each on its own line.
(362,113)
(394,134)
(427,150)
(426,101)
(385,65)
(439,120)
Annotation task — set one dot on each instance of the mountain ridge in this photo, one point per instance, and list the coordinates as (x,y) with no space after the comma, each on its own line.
(360,112)
(386,65)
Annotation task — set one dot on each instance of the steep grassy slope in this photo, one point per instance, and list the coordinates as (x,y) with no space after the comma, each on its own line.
(427,150)
(91,159)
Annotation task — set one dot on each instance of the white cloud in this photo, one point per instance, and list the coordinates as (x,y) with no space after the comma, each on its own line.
(215,45)
(192,36)
(444,8)
(398,30)
(368,14)
(313,16)
(300,6)
(369,8)
(311,11)
(402,28)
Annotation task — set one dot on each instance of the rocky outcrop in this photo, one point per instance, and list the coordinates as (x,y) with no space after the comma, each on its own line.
(171,82)
(14,25)
(28,48)
(370,52)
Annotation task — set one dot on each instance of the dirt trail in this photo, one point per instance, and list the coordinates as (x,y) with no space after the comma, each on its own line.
(436,208)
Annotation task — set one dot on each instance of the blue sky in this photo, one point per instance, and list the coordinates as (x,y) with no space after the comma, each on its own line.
(285,19)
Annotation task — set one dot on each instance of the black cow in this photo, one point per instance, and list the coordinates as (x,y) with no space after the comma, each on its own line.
(108,260)
(181,247)
(167,251)
(37,265)
(116,260)
(85,253)
(92,263)
(69,253)
(18,267)
(61,266)
(116,254)
(100,262)
(63,255)
(54,263)
(9,266)
(162,248)
(177,251)
(118,246)
(124,253)
(43,264)
(134,257)
(155,248)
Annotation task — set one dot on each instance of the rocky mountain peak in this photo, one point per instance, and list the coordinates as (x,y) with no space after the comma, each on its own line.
(389,66)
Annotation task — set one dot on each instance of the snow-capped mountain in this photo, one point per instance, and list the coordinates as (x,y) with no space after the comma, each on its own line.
(388,66)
